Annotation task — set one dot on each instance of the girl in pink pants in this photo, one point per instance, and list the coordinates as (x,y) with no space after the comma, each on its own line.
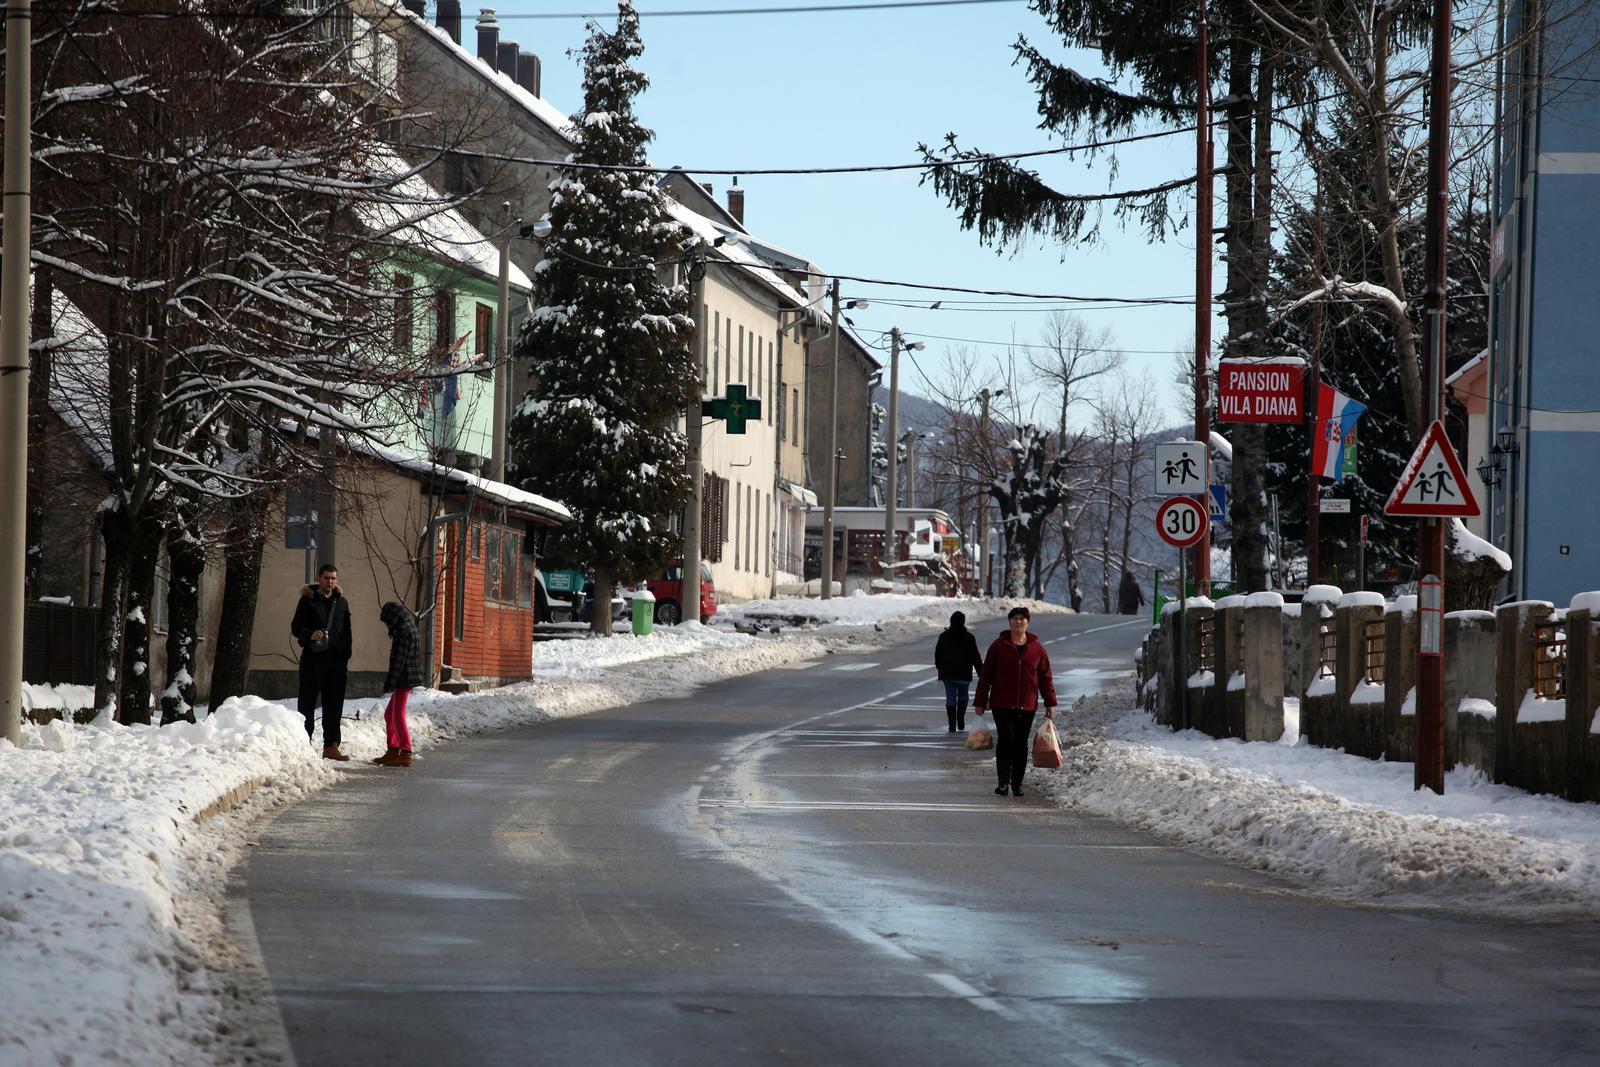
(405,673)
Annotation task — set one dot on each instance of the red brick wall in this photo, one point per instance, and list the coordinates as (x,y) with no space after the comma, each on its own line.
(496,638)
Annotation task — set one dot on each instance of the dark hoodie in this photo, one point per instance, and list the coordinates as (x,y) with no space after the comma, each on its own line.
(405,648)
(316,612)
(956,654)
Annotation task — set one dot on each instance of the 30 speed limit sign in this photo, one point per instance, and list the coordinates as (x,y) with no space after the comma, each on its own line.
(1181,521)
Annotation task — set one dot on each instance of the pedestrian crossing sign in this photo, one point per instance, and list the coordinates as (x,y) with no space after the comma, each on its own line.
(1433,484)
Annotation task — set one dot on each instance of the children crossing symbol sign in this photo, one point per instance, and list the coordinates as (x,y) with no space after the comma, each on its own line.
(1433,484)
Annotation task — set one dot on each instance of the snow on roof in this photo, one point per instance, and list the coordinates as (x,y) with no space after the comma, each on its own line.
(540,109)
(1467,367)
(1221,446)
(420,220)
(466,481)
(736,251)
(79,392)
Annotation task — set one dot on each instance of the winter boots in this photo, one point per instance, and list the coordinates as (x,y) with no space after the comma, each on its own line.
(332,752)
(395,757)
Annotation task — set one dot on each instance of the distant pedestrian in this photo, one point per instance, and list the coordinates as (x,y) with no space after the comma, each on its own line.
(405,674)
(321,625)
(1130,598)
(956,658)
(1077,599)
(1016,673)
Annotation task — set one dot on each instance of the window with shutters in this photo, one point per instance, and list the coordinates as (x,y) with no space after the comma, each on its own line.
(712,513)
(716,353)
(403,284)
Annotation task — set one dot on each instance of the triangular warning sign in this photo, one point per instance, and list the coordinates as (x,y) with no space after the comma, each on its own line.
(1433,483)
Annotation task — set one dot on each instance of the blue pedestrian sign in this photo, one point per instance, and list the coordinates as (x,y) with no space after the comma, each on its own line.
(1217,504)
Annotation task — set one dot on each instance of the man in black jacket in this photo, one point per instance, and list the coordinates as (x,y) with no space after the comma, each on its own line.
(956,657)
(321,625)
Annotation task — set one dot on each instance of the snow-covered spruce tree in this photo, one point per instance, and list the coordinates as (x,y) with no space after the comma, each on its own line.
(1026,495)
(609,344)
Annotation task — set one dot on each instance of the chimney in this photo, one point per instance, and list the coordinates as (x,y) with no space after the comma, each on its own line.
(508,59)
(528,72)
(709,191)
(736,202)
(450,18)
(489,38)
(418,8)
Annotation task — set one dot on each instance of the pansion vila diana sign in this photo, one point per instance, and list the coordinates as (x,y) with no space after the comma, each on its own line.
(1261,390)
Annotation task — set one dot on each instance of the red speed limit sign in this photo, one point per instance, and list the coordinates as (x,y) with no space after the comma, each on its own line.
(1181,522)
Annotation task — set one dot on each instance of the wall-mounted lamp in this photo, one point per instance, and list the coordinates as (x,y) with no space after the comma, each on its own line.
(1489,471)
(1505,441)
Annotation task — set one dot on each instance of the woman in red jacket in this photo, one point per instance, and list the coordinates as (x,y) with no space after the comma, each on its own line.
(1016,673)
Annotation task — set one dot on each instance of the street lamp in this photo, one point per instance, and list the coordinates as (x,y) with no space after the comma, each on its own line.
(833,444)
(891,549)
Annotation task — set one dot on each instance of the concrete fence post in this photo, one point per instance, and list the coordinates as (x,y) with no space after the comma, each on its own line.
(1400,627)
(1583,696)
(1227,692)
(1514,625)
(1469,690)
(1318,693)
(1356,722)
(1263,667)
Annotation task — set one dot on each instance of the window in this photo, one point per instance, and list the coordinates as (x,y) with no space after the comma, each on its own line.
(749,527)
(741,356)
(491,570)
(737,536)
(477,540)
(509,544)
(483,324)
(767,540)
(705,349)
(715,353)
(727,351)
(796,413)
(444,322)
(777,391)
(525,576)
(713,512)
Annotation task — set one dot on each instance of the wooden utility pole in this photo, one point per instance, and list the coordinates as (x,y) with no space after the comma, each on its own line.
(1430,664)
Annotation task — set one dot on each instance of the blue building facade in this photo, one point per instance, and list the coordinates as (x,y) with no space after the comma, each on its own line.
(1543,424)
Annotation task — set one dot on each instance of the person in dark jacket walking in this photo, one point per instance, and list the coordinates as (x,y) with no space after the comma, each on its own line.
(1130,598)
(405,674)
(1016,673)
(321,625)
(955,656)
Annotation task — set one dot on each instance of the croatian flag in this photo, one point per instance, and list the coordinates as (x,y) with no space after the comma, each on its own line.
(1334,451)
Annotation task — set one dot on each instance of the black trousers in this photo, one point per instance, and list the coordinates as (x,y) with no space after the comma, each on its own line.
(324,677)
(1012,729)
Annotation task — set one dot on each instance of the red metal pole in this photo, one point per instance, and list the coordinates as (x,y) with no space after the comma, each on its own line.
(1313,487)
(1202,285)
(1430,667)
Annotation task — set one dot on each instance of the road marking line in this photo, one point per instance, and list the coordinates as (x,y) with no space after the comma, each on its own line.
(911,667)
(848,805)
(974,996)
(853,667)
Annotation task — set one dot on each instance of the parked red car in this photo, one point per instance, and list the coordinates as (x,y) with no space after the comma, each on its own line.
(668,591)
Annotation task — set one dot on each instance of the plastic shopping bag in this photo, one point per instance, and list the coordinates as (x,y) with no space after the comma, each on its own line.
(1046,747)
(980,736)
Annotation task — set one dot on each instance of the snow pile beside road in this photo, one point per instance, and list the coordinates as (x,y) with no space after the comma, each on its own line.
(94,824)
(1347,827)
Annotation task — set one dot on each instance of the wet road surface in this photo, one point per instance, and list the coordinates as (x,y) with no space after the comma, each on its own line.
(804,867)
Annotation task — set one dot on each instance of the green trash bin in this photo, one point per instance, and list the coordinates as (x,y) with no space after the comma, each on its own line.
(644,612)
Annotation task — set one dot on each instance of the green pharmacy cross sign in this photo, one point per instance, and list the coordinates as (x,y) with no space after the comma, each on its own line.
(736,407)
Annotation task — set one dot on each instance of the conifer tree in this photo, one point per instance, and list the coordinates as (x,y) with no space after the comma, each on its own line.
(609,344)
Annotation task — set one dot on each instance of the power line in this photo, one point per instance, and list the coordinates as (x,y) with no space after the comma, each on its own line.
(788,9)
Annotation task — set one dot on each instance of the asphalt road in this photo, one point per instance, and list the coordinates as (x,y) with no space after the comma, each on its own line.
(803,867)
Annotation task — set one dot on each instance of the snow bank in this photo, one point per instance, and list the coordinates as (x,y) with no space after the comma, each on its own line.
(1340,825)
(93,828)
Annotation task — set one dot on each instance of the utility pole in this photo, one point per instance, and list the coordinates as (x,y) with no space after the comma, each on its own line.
(1313,490)
(14,360)
(984,396)
(694,431)
(1202,286)
(502,352)
(1430,663)
(891,550)
(833,453)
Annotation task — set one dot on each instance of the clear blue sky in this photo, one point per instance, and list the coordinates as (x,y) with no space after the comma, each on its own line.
(848,88)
